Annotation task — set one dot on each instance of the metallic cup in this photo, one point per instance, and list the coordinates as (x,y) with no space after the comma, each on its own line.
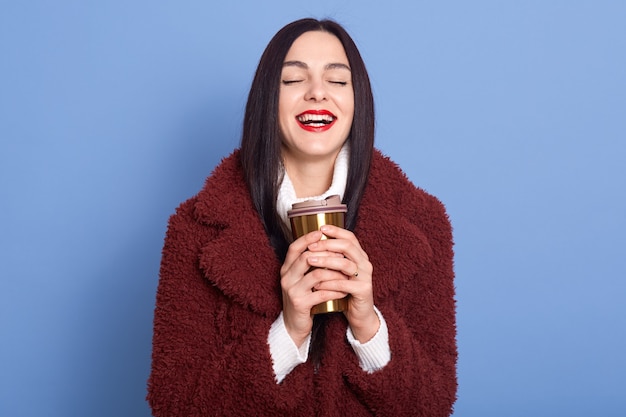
(310,215)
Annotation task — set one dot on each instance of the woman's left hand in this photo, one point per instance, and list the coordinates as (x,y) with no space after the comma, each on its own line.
(354,265)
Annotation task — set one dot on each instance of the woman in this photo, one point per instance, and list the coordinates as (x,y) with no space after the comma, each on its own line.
(233,331)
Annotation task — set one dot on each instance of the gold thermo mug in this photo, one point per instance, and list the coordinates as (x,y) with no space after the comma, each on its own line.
(310,215)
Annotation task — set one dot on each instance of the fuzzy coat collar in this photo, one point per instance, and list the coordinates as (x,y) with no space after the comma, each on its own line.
(240,261)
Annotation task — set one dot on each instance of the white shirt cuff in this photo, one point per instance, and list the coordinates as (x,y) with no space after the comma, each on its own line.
(284,352)
(375,353)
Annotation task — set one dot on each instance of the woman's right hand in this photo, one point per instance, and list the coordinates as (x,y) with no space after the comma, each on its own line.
(297,281)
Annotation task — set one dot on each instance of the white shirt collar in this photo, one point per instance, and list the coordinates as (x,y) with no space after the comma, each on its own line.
(287,194)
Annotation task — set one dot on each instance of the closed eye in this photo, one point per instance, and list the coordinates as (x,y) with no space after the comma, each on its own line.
(342,83)
(289,82)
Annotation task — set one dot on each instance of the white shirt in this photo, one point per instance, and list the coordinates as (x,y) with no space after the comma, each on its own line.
(374,354)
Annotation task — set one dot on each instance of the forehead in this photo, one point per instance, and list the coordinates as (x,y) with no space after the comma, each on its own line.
(317,48)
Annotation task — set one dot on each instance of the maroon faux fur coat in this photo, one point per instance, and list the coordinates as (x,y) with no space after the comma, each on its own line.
(219,292)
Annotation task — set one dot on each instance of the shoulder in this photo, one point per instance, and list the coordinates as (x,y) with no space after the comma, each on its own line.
(388,181)
(223,192)
(228,174)
(396,217)
(392,196)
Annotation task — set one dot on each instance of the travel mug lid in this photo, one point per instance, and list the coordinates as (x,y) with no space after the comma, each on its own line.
(327,205)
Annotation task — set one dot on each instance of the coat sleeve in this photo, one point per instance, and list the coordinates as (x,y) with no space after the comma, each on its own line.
(420,379)
(208,352)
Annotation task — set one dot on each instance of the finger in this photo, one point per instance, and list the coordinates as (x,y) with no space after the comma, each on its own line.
(298,246)
(313,258)
(301,266)
(336,285)
(361,292)
(310,290)
(335,232)
(313,278)
(318,291)
(348,248)
(337,263)
(324,295)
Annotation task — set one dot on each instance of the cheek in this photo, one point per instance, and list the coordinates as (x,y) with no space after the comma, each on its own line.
(283,111)
(286,101)
(347,105)
(346,100)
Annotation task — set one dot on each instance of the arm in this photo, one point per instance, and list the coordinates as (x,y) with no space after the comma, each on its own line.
(373,355)
(209,353)
(285,354)
(304,287)
(420,379)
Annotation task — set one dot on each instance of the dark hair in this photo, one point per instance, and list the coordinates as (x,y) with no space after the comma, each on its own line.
(261,140)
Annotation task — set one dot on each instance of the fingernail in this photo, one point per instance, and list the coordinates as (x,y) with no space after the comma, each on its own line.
(313,259)
(312,245)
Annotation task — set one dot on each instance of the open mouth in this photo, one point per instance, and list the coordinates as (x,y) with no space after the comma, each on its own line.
(316,120)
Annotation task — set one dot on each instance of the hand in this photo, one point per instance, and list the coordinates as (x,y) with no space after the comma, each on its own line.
(299,281)
(349,273)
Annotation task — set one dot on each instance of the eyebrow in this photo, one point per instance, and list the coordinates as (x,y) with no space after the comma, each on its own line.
(331,66)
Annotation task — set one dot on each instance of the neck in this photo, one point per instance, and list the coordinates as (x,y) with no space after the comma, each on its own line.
(310,178)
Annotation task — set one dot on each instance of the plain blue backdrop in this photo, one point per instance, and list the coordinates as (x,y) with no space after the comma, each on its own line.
(511,112)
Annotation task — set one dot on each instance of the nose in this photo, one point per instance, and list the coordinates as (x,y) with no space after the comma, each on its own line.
(316,91)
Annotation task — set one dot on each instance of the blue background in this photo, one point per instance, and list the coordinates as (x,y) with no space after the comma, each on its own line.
(512,112)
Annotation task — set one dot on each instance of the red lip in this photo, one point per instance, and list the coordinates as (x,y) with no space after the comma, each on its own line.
(318,127)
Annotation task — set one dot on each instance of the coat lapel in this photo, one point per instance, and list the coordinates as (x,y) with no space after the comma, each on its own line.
(239,260)
(242,264)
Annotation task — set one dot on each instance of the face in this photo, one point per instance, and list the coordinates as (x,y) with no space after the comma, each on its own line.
(316,101)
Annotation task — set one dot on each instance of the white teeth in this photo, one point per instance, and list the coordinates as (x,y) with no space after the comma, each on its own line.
(315,118)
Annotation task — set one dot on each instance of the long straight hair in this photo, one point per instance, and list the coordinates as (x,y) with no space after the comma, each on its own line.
(261,139)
